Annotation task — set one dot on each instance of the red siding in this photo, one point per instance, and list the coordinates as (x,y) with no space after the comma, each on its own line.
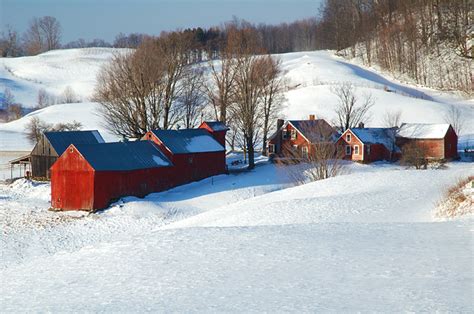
(376,151)
(218,135)
(288,143)
(72,182)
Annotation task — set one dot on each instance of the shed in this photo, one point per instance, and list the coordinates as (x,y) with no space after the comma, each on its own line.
(53,144)
(217,129)
(437,141)
(90,176)
(195,153)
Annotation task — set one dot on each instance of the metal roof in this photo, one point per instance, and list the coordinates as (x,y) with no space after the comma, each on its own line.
(315,130)
(217,125)
(61,140)
(384,136)
(123,156)
(188,141)
(423,130)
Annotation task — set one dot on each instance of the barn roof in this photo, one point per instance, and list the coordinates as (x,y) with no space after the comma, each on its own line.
(60,140)
(384,136)
(188,141)
(123,156)
(217,125)
(423,130)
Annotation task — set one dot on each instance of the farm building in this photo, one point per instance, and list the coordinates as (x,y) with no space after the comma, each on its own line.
(52,144)
(90,176)
(298,137)
(368,144)
(437,141)
(217,129)
(195,153)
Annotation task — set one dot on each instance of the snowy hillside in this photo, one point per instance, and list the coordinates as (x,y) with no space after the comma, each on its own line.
(53,71)
(311,76)
(364,241)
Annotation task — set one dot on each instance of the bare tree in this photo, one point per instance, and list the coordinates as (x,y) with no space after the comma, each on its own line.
(8,98)
(9,43)
(320,160)
(414,155)
(392,119)
(192,99)
(15,112)
(272,94)
(36,127)
(43,34)
(69,96)
(351,111)
(455,117)
(44,99)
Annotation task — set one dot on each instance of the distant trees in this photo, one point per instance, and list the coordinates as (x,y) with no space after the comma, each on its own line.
(350,109)
(36,127)
(455,117)
(10,45)
(43,34)
(68,96)
(392,119)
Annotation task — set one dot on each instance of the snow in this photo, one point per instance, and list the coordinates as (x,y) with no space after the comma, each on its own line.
(423,131)
(365,241)
(376,136)
(246,241)
(159,161)
(203,143)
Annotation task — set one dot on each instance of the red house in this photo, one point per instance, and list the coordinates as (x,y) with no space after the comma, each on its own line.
(90,176)
(299,137)
(195,153)
(438,141)
(368,144)
(217,129)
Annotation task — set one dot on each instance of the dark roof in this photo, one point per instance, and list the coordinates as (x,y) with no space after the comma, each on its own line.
(188,141)
(123,155)
(61,140)
(217,125)
(315,130)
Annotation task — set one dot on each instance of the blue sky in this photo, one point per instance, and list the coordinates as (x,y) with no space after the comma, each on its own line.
(104,19)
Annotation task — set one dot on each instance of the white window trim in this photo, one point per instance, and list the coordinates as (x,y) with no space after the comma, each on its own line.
(348,137)
(284,134)
(304,151)
(348,150)
(271,148)
(293,134)
(356,150)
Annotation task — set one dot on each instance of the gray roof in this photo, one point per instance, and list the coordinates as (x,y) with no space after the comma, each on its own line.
(188,141)
(315,130)
(217,125)
(123,156)
(61,140)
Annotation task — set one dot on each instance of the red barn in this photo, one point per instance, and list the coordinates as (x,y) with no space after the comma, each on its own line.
(438,141)
(298,137)
(217,129)
(90,176)
(195,153)
(368,144)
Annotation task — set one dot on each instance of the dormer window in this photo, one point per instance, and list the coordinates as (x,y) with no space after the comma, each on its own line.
(348,137)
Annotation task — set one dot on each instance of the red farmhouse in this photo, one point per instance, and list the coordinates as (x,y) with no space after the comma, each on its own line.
(438,141)
(298,137)
(368,144)
(195,153)
(90,176)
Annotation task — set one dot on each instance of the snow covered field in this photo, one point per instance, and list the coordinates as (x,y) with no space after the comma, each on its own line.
(249,242)
(363,241)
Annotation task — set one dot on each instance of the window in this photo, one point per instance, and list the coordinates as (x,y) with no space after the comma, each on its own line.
(190,160)
(348,149)
(348,137)
(356,149)
(295,148)
(304,150)
(284,134)
(368,149)
(293,134)
(271,148)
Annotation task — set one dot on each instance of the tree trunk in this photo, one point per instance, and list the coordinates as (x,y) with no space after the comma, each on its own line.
(250,152)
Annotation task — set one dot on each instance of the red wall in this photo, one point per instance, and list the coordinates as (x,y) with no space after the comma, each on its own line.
(288,143)
(72,182)
(218,135)
(377,151)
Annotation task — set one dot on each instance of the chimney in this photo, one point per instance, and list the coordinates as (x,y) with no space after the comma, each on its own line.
(361,125)
(312,117)
(280,123)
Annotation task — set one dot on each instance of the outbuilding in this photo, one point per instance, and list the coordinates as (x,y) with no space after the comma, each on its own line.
(195,153)
(52,144)
(90,176)
(436,141)
(217,129)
